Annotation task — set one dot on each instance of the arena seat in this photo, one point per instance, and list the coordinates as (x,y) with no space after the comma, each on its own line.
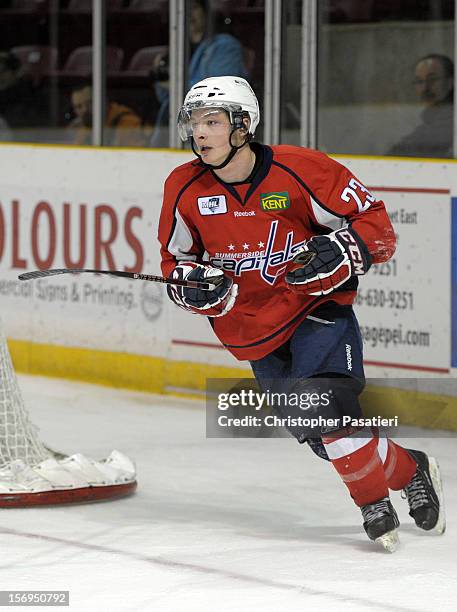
(146,6)
(37,61)
(79,62)
(85,6)
(143,60)
(228,5)
(29,6)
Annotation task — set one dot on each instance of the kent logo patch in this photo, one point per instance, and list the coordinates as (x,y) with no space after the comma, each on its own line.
(278,200)
(212,205)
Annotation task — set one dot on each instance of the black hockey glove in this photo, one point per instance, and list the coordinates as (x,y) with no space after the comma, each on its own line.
(327,262)
(214,303)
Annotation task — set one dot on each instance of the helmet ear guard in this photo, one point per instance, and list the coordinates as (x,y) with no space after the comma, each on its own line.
(237,120)
(238,123)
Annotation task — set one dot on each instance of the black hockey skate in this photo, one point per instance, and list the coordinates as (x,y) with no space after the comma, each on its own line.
(381,522)
(424,493)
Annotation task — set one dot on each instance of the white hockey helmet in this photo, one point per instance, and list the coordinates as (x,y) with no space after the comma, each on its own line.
(230,93)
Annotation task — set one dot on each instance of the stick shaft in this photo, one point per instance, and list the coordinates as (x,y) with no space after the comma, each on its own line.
(132,275)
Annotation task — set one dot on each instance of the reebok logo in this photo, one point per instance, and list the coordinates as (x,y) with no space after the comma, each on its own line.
(246,213)
(349,356)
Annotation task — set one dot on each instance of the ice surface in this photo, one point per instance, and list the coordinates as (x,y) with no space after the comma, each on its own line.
(216,525)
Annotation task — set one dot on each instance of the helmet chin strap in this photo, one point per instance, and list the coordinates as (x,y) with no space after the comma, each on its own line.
(229,157)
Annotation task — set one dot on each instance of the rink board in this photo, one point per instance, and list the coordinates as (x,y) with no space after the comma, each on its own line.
(90,207)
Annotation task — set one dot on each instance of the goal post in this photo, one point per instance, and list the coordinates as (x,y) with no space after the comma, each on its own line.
(32,475)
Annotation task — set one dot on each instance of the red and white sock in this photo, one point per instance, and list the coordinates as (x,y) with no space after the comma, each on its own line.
(354,454)
(399,466)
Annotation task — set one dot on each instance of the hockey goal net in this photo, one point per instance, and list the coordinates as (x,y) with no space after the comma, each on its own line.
(31,474)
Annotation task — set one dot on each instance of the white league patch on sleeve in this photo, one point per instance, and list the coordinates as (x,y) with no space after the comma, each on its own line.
(212,205)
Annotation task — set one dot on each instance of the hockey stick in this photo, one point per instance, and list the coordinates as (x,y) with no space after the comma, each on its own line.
(133,275)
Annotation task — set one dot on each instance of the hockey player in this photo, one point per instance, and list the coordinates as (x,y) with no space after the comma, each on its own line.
(284,232)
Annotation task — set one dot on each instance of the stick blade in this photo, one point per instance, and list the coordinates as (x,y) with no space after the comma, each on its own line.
(42,273)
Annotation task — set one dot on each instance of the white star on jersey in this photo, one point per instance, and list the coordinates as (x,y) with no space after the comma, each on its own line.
(245,246)
(231,247)
(260,245)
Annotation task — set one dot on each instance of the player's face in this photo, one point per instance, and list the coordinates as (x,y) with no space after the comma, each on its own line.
(432,84)
(211,133)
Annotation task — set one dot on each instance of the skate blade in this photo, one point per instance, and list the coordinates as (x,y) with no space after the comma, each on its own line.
(389,541)
(435,473)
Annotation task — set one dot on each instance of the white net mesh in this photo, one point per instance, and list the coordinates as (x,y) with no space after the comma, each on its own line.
(31,474)
(18,436)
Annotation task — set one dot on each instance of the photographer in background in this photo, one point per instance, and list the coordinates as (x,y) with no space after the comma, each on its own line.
(212,54)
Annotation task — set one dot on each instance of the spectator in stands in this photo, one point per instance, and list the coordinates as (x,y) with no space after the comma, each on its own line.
(21,106)
(121,122)
(434,82)
(212,54)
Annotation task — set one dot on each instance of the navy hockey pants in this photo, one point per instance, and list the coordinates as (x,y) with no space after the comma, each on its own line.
(322,354)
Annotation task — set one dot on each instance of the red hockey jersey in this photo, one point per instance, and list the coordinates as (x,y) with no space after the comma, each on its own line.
(252,230)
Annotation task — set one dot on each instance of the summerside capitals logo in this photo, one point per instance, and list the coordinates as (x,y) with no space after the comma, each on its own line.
(278,200)
(264,260)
